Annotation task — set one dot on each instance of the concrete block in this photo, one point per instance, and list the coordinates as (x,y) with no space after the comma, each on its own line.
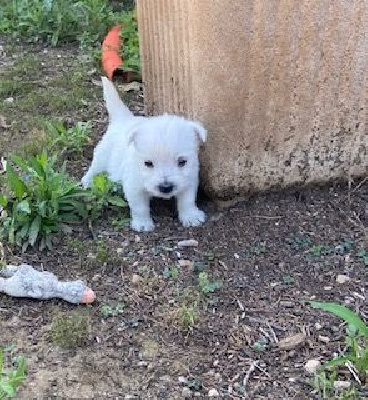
(281,85)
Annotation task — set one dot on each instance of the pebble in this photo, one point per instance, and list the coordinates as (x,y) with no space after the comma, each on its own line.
(311,366)
(188,243)
(327,288)
(323,339)
(186,263)
(318,326)
(342,385)
(182,379)
(286,303)
(213,393)
(342,279)
(136,279)
(291,342)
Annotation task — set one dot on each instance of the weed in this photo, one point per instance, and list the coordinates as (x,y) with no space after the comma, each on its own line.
(188,316)
(85,22)
(108,310)
(57,21)
(70,331)
(363,255)
(105,193)
(206,285)
(129,34)
(355,357)
(171,272)
(262,344)
(62,139)
(38,201)
(11,379)
(102,253)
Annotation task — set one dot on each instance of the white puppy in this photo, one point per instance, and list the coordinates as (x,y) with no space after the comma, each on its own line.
(150,157)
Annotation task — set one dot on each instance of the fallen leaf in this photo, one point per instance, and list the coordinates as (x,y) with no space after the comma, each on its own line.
(291,342)
(111,60)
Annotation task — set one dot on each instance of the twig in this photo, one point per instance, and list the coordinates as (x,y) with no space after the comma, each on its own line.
(249,372)
(272,332)
(91,229)
(360,184)
(352,370)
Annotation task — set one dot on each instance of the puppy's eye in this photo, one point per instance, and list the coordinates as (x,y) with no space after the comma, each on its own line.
(182,162)
(148,164)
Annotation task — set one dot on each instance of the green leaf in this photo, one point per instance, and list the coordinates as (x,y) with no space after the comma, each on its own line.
(7,388)
(117,201)
(16,184)
(3,201)
(34,230)
(24,207)
(344,313)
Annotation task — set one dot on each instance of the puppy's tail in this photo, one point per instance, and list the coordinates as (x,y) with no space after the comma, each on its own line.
(115,107)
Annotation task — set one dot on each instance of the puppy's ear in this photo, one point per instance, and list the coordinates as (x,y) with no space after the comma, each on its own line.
(200,130)
(115,107)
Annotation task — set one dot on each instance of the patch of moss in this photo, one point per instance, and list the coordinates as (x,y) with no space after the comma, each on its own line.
(70,330)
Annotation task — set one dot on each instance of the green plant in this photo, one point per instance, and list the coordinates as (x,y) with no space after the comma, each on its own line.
(70,331)
(38,201)
(356,354)
(62,139)
(130,39)
(206,285)
(171,272)
(57,21)
(363,255)
(11,379)
(108,310)
(104,193)
(188,315)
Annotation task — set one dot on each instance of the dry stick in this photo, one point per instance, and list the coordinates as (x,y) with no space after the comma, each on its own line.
(249,372)
(360,184)
(353,371)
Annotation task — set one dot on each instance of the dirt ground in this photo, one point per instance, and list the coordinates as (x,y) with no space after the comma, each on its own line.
(152,333)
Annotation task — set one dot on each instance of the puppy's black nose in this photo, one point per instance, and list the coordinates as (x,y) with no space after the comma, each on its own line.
(166,188)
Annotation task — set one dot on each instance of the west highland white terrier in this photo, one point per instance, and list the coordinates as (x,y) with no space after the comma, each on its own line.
(150,157)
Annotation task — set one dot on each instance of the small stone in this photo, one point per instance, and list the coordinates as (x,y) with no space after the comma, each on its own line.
(312,366)
(186,393)
(119,250)
(142,363)
(338,385)
(96,277)
(323,339)
(186,263)
(182,379)
(188,243)
(136,279)
(342,279)
(287,304)
(318,326)
(291,342)
(327,288)
(213,393)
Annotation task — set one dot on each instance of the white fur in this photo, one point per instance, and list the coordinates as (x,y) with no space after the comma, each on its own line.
(130,142)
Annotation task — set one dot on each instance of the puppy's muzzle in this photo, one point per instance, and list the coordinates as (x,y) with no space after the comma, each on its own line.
(166,188)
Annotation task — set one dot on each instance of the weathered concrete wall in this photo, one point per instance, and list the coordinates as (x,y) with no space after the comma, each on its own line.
(282,85)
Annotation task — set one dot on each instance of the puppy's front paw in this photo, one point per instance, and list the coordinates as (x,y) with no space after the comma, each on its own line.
(192,217)
(86,181)
(142,225)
